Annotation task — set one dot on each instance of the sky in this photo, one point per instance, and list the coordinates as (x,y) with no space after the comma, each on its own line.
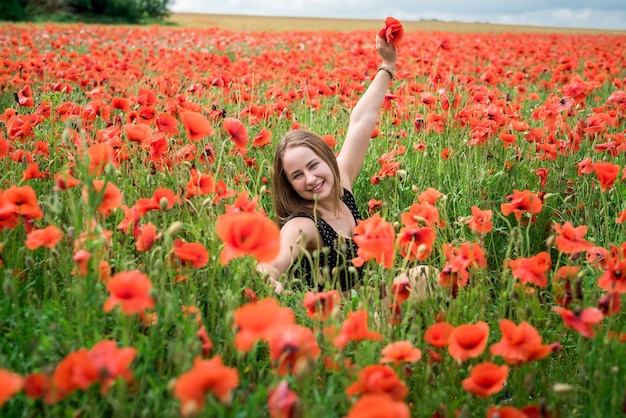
(593,14)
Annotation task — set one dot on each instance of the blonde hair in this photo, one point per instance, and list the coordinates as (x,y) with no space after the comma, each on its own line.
(286,200)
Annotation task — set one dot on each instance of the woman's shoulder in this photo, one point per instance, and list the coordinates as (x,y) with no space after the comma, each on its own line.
(300,225)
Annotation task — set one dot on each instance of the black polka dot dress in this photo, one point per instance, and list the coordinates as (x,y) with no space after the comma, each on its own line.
(333,263)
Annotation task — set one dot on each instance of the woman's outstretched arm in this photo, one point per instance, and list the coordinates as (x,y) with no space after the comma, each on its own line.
(296,235)
(364,116)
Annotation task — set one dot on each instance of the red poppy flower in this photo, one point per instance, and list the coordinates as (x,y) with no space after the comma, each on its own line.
(199,184)
(192,253)
(263,138)
(10,384)
(120,103)
(374,238)
(597,257)
(243,204)
(421,214)
(32,172)
(521,202)
(167,124)
(374,205)
(400,352)
(392,32)
(330,140)
(107,196)
(614,277)
(321,305)
(222,192)
(258,321)
(47,237)
(378,405)
(378,379)
(282,402)
(205,376)
(130,290)
(75,372)
(196,125)
(401,289)
(138,132)
(236,131)
(64,181)
(507,412)
(532,269)
(248,233)
(99,155)
(24,201)
(430,196)
(519,343)
(468,341)
(480,221)
(146,237)
(415,243)
(583,322)
(486,379)
(610,303)
(293,350)
(607,173)
(111,362)
(569,240)
(355,329)
(207,344)
(438,334)
(165,198)
(37,385)
(9,217)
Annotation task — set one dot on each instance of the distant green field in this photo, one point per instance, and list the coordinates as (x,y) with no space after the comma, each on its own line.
(275,23)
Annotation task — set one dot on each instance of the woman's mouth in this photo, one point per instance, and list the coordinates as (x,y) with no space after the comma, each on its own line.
(317,188)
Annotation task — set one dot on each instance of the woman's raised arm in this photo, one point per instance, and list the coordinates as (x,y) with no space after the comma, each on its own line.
(364,116)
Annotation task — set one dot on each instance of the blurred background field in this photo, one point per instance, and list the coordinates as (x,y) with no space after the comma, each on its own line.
(277,23)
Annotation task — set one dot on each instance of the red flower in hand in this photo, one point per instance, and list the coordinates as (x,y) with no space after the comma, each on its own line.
(392,32)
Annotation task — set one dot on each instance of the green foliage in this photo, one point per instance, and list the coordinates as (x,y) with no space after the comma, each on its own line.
(13,10)
(89,11)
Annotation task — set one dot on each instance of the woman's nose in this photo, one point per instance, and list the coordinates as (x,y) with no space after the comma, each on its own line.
(310,178)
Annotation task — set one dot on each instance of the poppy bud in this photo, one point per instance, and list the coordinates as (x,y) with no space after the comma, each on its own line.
(69,235)
(158,264)
(401,174)
(550,241)
(562,387)
(174,228)
(190,409)
(263,189)
(30,263)
(7,286)
(164,203)
(111,171)
(415,189)
(55,205)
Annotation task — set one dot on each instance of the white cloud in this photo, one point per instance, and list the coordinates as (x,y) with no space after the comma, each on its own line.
(605,14)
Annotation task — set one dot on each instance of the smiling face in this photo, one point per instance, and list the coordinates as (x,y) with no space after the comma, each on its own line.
(307,173)
(304,165)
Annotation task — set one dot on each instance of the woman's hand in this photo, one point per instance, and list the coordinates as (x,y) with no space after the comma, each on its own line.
(387,52)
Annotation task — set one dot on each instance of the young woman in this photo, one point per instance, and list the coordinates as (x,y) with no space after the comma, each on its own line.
(312,194)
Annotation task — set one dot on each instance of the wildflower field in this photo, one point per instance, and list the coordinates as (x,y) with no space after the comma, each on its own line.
(135,201)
